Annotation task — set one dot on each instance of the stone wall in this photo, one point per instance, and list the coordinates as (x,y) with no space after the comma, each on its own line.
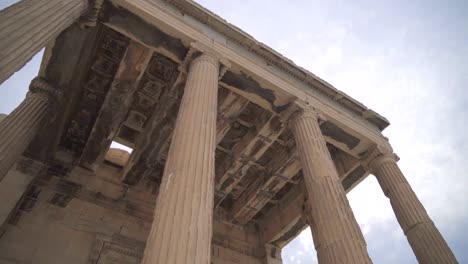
(92,218)
(81,232)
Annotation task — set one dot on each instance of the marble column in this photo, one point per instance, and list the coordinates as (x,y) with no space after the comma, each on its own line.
(15,183)
(27,26)
(182,226)
(337,236)
(20,126)
(425,239)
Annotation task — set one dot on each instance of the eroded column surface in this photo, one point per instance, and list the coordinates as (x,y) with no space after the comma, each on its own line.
(20,126)
(182,227)
(336,234)
(27,26)
(425,239)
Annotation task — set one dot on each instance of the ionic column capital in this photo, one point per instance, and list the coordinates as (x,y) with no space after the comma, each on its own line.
(380,155)
(207,51)
(42,89)
(304,112)
(207,57)
(378,161)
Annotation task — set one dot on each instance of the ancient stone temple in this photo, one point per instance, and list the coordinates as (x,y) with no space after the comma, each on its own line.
(235,148)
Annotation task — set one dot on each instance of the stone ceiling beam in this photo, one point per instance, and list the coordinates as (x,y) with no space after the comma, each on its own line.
(333,134)
(280,171)
(147,157)
(249,149)
(66,71)
(228,111)
(231,106)
(93,88)
(285,219)
(116,104)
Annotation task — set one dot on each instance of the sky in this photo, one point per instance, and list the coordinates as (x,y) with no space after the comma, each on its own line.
(405,59)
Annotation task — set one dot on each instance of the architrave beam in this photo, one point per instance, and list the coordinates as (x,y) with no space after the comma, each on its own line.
(116,105)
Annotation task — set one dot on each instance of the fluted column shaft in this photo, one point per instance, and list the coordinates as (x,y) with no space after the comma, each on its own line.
(336,234)
(425,239)
(19,127)
(27,26)
(182,226)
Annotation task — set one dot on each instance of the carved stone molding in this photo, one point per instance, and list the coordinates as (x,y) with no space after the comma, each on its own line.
(159,77)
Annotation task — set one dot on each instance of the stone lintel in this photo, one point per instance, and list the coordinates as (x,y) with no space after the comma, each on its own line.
(152,145)
(116,105)
(249,149)
(228,111)
(256,196)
